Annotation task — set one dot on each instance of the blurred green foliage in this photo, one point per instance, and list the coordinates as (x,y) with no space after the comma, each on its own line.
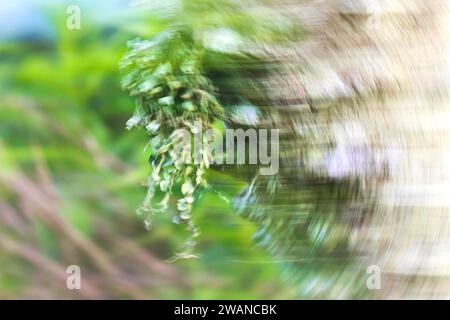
(70,181)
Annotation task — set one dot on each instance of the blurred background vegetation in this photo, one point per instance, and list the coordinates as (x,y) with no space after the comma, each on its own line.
(71,176)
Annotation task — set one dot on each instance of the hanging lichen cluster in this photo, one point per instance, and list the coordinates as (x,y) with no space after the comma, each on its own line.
(165,76)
